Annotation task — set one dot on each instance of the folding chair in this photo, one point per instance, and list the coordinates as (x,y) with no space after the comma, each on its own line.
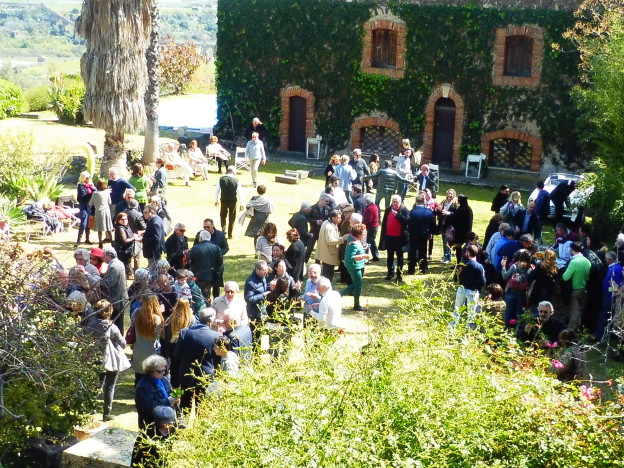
(240,161)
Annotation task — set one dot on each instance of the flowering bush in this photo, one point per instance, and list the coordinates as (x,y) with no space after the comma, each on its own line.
(48,380)
(411,393)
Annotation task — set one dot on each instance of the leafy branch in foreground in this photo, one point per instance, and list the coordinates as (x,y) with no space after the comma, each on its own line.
(48,377)
(413,393)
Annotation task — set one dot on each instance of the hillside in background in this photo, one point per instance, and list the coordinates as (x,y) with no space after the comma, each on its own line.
(43,32)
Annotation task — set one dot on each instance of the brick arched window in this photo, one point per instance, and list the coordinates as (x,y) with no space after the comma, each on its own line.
(384,47)
(376,135)
(518,54)
(512,149)
(289,97)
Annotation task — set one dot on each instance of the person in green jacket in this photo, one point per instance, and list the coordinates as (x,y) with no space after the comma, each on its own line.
(354,260)
(140,182)
(578,272)
(386,183)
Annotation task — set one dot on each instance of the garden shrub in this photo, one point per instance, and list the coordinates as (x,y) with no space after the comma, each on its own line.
(11,99)
(48,377)
(37,99)
(415,394)
(66,98)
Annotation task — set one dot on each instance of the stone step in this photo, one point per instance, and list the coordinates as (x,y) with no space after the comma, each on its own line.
(109,448)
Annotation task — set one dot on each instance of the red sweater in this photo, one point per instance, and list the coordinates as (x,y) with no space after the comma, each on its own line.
(370,217)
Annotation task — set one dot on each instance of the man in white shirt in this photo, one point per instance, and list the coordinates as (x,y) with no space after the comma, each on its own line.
(329,314)
(229,302)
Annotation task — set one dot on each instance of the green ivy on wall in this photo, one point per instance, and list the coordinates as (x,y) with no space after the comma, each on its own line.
(266,45)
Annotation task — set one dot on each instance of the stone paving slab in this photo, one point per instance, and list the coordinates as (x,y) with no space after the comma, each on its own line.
(109,448)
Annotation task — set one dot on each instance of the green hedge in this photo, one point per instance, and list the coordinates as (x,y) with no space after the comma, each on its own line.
(11,99)
(38,98)
(317,44)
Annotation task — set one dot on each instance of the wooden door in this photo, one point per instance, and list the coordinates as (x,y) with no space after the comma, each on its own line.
(297,124)
(443,132)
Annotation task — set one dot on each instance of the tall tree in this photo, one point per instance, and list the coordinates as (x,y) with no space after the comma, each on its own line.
(599,36)
(114,70)
(150,149)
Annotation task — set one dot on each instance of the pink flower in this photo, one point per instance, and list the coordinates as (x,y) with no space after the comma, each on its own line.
(557,364)
(589,393)
(513,322)
(554,344)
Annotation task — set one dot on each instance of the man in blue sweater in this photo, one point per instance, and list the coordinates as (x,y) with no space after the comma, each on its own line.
(471,280)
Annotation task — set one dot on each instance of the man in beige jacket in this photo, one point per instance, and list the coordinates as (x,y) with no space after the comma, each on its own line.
(328,242)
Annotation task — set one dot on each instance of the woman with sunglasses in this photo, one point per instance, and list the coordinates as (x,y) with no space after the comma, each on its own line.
(152,390)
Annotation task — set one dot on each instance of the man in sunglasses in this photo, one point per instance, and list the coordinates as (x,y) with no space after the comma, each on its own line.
(177,247)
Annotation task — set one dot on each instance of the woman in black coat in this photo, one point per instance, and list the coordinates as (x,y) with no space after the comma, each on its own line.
(295,255)
(124,241)
(461,220)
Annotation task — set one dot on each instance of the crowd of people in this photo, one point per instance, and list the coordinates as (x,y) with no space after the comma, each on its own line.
(183,328)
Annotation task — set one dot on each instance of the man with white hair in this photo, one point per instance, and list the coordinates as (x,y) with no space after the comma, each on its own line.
(128,195)
(239,333)
(176,246)
(117,187)
(300,220)
(329,314)
(83,267)
(311,296)
(319,212)
(113,285)
(394,236)
(230,303)
(206,262)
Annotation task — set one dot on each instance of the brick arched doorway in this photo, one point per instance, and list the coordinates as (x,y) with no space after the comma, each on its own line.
(376,135)
(297,118)
(444,126)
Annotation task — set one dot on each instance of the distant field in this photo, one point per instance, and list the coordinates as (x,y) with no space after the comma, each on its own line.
(55,65)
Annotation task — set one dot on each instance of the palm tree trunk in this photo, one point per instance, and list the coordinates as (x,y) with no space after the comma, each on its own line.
(152,95)
(114,155)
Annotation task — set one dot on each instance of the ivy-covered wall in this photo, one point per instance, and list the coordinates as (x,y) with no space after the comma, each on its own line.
(267,45)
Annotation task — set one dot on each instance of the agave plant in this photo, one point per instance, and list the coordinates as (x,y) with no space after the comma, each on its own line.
(11,212)
(44,187)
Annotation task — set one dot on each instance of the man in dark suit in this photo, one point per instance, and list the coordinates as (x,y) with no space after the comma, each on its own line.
(154,236)
(421,226)
(195,354)
(426,180)
(358,198)
(559,195)
(319,212)
(528,222)
(113,285)
(206,262)
(177,247)
(217,238)
(299,221)
(229,194)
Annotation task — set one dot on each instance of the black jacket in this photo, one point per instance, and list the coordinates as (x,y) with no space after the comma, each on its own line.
(299,221)
(175,247)
(403,217)
(195,346)
(206,261)
(154,238)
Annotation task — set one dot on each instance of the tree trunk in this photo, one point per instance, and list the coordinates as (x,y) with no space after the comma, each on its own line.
(152,95)
(114,155)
